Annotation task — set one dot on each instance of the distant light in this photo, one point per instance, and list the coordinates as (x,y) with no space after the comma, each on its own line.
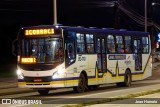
(153,4)
(158,37)
(57,26)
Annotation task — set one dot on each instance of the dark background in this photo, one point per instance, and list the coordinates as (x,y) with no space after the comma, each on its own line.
(15,14)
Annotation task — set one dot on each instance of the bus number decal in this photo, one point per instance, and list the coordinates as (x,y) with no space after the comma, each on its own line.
(81,58)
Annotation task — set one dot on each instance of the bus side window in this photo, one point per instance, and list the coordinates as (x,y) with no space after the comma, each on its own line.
(145,45)
(111,44)
(80,43)
(90,43)
(128,44)
(119,44)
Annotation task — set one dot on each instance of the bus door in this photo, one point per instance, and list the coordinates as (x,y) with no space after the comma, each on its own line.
(138,54)
(101,56)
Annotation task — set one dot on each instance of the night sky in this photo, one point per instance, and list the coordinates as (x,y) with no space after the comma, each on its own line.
(15,14)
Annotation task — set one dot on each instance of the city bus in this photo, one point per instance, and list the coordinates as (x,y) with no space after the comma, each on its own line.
(56,56)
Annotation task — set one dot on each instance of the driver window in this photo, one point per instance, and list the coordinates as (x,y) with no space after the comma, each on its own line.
(70,54)
(70,47)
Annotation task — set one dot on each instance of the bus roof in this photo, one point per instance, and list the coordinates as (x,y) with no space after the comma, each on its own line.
(106,30)
(91,29)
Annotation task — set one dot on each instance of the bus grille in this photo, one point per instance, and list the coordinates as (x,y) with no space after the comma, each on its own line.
(43,79)
(39,84)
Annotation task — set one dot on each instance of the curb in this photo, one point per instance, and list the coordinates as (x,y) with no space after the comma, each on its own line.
(117,98)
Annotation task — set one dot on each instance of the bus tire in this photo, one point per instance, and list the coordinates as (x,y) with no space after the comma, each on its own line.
(81,84)
(43,92)
(127,79)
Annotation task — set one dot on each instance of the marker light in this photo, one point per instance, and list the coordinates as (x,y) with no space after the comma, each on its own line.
(54,75)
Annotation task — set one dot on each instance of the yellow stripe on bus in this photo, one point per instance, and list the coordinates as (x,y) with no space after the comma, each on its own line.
(21,83)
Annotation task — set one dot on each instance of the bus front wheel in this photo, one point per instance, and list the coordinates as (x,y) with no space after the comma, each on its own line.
(127,80)
(43,92)
(81,84)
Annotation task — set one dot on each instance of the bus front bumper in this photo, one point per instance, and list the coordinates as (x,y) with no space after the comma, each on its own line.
(52,84)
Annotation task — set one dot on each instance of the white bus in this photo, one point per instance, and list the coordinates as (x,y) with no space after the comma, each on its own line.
(83,58)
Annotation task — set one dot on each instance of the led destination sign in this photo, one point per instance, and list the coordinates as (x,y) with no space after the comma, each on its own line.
(39,32)
(28,60)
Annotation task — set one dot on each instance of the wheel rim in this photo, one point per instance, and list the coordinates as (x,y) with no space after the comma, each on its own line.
(81,85)
(128,79)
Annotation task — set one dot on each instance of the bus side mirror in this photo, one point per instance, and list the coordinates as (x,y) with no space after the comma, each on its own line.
(14,45)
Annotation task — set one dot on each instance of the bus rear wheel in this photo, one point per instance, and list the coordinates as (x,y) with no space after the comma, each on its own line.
(43,92)
(81,84)
(127,79)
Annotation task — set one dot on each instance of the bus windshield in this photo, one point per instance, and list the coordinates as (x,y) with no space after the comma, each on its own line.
(44,50)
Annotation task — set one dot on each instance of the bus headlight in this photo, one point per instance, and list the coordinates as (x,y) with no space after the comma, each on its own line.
(20,74)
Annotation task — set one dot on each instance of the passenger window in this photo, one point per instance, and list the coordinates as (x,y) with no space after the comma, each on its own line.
(145,45)
(90,43)
(128,44)
(120,45)
(80,43)
(110,44)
